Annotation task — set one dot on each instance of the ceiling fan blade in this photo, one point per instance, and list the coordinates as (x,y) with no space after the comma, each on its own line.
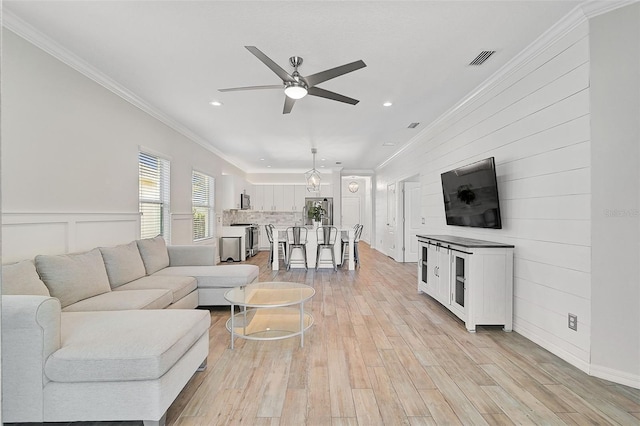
(318,78)
(236,89)
(322,93)
(284,76)
(288,104)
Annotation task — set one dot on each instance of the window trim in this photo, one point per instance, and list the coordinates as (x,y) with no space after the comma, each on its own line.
(210,207)
(164,189)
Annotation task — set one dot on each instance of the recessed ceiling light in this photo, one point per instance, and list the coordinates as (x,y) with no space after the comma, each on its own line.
(215,103)
(389,144)
(268,167)
(262,159)
(387,104)
(323,159)
(322,165)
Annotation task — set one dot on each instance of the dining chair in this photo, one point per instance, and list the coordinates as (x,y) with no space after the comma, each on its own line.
(296,239)
(326,236)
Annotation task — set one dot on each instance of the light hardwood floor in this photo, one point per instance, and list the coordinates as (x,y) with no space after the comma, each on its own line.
(379,353)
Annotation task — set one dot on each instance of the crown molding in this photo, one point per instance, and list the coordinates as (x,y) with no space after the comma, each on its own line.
(570,21)
(13,23)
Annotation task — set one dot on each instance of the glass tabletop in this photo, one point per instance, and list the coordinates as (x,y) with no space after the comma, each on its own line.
(270,294)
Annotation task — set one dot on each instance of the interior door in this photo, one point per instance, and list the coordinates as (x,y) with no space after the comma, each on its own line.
(390,231)
(412,220)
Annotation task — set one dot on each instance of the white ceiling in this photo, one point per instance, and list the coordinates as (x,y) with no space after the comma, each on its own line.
(174,55)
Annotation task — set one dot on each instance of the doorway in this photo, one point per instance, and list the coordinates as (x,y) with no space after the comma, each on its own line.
(411,219)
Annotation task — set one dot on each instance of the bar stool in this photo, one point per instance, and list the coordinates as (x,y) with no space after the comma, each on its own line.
(326,240)
(280,240)
(270,228)
(344,240)
(296,239)
(345,245)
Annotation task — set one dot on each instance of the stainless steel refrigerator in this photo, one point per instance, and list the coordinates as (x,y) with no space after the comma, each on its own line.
(327,205)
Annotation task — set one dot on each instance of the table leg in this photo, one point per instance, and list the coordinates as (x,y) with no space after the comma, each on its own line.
(233,326)
(302,325)
(351,250)
(275,264)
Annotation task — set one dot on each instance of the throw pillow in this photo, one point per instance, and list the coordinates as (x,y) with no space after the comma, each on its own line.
(22,278)
(154,254)
(74,277)
(123,263)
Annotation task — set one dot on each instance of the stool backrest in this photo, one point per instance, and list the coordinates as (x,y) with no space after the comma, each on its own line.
(296,235)
(269,232)
(327,234)
(357,233)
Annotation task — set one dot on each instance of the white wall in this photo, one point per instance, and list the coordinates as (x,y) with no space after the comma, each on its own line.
(534,120)
(615,178)
(70,147)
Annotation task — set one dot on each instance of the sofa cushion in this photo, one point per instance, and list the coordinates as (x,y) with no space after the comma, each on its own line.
(22,278)
(215,276)
(178,286)
(124,346)
(73,277)
(121,301)
(192,255)
(154,254)
(123,263)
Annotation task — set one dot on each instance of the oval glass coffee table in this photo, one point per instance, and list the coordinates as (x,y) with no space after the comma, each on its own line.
(268,311)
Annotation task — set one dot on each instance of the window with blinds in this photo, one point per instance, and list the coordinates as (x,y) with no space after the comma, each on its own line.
(154,175)
(202,202)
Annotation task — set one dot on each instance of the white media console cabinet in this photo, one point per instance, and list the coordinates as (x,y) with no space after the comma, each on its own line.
(472,278)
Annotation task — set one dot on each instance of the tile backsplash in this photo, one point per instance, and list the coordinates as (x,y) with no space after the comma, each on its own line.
(261,217)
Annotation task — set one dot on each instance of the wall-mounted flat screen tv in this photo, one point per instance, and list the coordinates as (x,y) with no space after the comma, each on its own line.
(471,195)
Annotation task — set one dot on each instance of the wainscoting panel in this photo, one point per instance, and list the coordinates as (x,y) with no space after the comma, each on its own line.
(25,235)
(181,228)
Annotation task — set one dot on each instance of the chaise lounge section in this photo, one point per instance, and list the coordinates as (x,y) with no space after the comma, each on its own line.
(95,366)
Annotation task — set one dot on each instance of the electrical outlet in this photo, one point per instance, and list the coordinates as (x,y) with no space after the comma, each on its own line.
(423,220)
(573,322)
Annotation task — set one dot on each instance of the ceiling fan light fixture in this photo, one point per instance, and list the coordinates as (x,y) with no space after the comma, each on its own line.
(295,90)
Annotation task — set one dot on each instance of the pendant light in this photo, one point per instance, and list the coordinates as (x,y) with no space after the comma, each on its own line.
(313,176)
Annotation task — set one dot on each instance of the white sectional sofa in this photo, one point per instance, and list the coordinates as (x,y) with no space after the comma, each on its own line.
(85,336)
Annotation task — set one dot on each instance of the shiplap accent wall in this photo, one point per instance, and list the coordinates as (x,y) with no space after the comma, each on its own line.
(535,122)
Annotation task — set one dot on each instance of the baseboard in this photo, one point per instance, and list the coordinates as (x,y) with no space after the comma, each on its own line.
(615,376)
(521,328)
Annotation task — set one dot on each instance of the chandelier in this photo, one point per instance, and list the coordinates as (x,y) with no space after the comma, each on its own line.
(312,177)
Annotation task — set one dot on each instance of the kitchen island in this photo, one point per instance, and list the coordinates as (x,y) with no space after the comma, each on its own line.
(312,246)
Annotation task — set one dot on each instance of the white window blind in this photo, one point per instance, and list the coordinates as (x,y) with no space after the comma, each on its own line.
(202,202)
(154,175)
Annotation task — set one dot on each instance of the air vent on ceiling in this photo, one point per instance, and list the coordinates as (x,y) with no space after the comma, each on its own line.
(413,125)
(482,57)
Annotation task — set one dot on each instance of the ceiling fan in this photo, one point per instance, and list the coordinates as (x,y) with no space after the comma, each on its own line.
(296,86)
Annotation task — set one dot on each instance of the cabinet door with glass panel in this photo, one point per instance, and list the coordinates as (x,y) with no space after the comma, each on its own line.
(459,262)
